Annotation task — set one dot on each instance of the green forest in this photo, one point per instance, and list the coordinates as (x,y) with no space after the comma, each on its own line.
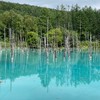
(32,26)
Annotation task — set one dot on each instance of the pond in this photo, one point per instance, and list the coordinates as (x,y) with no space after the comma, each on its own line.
(32,75)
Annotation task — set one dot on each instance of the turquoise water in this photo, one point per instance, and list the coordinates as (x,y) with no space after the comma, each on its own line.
(31,76)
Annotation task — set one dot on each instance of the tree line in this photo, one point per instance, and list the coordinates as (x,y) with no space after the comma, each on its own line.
(32,23)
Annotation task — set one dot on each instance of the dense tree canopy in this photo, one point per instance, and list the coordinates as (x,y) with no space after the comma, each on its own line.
(33,39)
(55,37)
(25,18)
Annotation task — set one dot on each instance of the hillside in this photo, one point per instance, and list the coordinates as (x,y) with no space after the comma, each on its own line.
(25,18)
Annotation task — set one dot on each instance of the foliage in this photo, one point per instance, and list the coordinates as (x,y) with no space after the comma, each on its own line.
(32,39)
(63,21)
(55,36)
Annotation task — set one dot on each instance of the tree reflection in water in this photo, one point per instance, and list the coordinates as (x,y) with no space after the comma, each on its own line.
(77,69)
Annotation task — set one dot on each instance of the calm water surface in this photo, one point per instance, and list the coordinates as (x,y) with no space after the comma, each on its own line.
(33,76)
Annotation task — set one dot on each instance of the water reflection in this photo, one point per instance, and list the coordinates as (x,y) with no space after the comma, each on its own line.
(74,70)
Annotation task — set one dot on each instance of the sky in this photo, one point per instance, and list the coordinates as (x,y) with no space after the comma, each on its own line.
(54,3)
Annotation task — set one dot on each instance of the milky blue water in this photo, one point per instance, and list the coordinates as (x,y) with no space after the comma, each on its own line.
(34,76)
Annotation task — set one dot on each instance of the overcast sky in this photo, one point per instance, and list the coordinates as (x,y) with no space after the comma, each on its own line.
(54,3)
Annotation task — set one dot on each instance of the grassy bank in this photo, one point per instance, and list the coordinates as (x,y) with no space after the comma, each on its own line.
(84,45)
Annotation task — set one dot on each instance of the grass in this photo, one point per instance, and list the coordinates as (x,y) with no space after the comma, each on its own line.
(84,45)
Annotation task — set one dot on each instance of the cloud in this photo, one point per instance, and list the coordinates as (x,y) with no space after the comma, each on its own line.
(54,3)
